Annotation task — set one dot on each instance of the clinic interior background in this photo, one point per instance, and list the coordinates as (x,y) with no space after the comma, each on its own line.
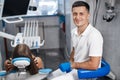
(110,31)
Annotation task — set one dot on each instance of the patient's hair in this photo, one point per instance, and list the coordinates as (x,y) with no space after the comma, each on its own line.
(22,50)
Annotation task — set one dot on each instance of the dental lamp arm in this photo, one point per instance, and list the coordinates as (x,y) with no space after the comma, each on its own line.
(6,35)
(18,39)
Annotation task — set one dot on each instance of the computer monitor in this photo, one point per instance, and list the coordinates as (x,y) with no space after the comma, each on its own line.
(14,8)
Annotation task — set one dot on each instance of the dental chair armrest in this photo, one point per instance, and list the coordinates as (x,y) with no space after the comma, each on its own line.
(45,71)
(3,73)
(103,71)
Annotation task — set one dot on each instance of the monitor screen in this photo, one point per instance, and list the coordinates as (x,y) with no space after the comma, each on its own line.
(13,8)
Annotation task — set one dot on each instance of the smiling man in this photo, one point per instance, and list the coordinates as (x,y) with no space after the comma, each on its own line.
(87,41)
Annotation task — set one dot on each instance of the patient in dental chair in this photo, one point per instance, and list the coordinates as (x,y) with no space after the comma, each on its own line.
(22,50)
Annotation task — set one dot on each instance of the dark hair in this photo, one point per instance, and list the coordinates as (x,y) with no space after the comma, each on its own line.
(22,50)
(81,3)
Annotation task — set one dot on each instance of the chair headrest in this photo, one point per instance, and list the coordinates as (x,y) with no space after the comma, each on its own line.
(21,62)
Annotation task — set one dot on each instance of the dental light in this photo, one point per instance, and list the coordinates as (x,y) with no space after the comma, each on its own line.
(29,36)
(110,12)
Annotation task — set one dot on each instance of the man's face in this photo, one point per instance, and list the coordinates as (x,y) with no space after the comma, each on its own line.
(80,16)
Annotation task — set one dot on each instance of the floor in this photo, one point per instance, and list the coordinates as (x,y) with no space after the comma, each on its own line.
(53,57)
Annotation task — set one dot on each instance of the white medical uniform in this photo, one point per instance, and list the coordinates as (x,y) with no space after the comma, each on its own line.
(89,43)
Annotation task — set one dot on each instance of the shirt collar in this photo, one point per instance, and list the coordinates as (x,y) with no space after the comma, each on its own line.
(85,32)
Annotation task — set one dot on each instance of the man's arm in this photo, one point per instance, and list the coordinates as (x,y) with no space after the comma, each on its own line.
(92,64)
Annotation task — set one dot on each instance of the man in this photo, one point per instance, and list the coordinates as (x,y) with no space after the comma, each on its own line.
(87,41)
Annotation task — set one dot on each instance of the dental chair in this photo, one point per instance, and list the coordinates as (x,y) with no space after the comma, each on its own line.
(21,63)
(84,74)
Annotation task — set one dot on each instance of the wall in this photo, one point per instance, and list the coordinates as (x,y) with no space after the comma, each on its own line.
(111,31)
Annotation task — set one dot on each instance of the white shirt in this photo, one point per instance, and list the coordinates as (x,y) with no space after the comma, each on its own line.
(89,43)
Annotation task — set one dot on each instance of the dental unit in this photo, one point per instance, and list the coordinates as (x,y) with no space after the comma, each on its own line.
(21,63)
(29,36)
